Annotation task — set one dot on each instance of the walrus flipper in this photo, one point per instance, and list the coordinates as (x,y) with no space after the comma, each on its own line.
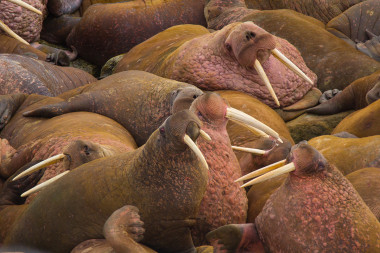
(8,106)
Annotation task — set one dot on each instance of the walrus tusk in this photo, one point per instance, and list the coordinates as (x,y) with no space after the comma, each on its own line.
(265,79)
(12,33)
(282,58)
(205,135)
(44,184)
(195,148)
(249,150)
(26,6)
(243,118)
(261,171)
(254,130)
(40,165)
(274,173)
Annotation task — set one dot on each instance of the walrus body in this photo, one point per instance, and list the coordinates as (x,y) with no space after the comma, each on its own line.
(163,179)
(10,45)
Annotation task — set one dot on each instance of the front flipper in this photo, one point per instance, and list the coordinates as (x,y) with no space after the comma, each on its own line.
(8,106)
(236,238)
(329,94)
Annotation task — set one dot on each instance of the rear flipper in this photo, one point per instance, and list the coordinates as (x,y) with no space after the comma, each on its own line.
(9,105)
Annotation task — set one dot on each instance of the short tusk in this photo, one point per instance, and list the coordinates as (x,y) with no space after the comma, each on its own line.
(247,120)
(195,148)
(263,170)
(265,79)
(274,173)
(40,165)
(282,58)
(26,6)
(44,184)
(249,150)
(12,33)
(204,135)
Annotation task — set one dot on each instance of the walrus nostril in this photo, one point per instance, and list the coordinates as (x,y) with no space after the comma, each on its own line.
(250,35)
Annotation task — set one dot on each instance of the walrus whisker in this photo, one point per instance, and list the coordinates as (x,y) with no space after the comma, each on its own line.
(243,118)
(26,6)
(282,58)
(271,174)
(250,150)
(195,149)
(265,79)
(11,33)
(261,171)
(40,165)
(44,184)
(204,135)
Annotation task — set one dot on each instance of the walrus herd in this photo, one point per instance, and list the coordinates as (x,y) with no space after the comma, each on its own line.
(169,126)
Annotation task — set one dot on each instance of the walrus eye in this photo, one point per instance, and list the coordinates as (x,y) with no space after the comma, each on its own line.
(162,131)
(195,96)
(86,150)
(200,115)
(228,46)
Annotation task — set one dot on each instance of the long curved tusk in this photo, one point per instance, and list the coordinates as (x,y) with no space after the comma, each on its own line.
(195,148)
(44,184)
(274,173)
(261,171)
(12,33)
(40,165)
(282,58)
(265,79)
(26,6)
(249,150)
(204,135)
(247,120)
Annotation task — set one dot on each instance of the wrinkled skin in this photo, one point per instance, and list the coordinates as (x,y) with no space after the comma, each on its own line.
(370,47)
(335,62)
(23,22)
(57,56)
(355,96)
(223,60)
(314,206)
(159,168)
(126,25)
(323,10)
(21,74)
(349,154)
(365,182)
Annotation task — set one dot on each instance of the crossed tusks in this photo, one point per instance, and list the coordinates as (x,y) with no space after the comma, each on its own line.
(282,58)
(232,114)
(267,172)
(8,30)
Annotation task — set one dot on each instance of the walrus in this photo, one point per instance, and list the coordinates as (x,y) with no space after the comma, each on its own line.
(164,179)
(314,207)
(22,74)
(241,56)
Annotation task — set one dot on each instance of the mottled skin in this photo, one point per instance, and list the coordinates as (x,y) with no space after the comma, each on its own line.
(242,137)
(25,23)
(137,100)
(323,10)
(56,29)
(22,74)
(224,60)
(349,154)
(224,202)
(335,62)
(362,123)
(366,183)
(107,30)
(163,179)
(315,206)
(353,96)
(61,7)
(352,24)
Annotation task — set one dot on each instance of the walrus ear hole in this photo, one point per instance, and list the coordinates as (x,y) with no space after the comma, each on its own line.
(86,150)
(162,131)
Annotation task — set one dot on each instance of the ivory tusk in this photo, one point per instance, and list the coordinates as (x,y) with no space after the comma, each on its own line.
(263,170)
(282,58)
(195,149)
(40,165)
(44,184)
(12,33)
(274,173)
(247,120)
(265,79)
(249,150)
(204,135)
(26,6)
